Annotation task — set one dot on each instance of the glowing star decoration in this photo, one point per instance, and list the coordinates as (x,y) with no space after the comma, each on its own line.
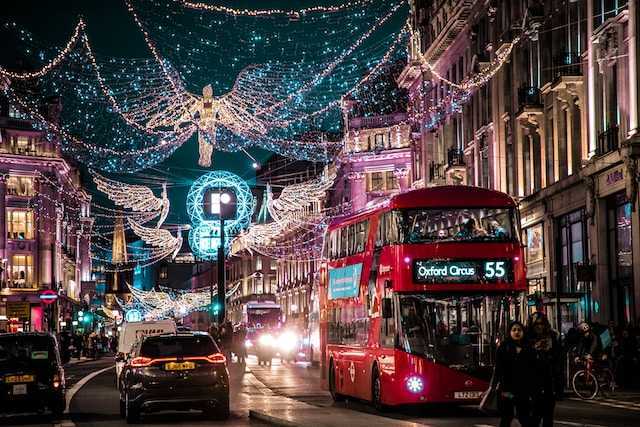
(204,236)
(135,197)
(159,238)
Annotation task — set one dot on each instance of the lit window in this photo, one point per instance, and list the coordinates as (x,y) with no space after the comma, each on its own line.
(163,272)
(19,224)
(258,264)
(20,185)
(22,271)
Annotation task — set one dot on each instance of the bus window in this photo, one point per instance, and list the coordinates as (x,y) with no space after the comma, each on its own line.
(352,240)
(380,231)
(333,244)
(459,224)
(361,235)
(388,329)
(457,331)
(344,242)
(348,325)
(392,227)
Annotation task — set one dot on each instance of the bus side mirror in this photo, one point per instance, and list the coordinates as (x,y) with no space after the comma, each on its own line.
(387,311)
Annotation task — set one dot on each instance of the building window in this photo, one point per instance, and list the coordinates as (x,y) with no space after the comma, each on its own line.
(391,181)
(19,224)
(14,113)
(20,186)
(258,264)
(22,271)
(572,249)
(375,181)
(164,272)
(620,258)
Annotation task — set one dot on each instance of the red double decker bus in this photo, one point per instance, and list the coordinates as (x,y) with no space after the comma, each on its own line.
(415,294)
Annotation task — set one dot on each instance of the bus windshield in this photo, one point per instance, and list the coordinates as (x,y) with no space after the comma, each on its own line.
(458,331)
(459,224)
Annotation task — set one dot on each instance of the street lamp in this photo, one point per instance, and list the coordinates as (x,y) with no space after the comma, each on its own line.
(223,205)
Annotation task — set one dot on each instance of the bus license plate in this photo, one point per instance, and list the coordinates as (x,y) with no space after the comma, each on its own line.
(467,394)
(19,389)
(12,379)
(179,366)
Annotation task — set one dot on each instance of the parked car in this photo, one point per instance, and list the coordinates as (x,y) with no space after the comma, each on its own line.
(132,332)
(31,373)
(179,371)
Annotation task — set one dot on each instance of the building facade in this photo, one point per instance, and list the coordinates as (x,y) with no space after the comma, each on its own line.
(378,159)
(554,123)
(45,228)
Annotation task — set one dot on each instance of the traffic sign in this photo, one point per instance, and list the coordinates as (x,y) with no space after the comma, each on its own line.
(48,296)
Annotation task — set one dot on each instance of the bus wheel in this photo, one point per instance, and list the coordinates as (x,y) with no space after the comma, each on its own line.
(332,384)
(376,391)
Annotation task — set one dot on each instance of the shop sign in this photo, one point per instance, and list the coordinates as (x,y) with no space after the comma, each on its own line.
(20,310)
(614,176)
(475,271)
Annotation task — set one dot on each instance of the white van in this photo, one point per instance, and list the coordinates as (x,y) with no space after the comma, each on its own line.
(133,331)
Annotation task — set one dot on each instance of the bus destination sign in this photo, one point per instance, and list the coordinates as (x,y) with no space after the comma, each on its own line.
(344,282)
(458,271)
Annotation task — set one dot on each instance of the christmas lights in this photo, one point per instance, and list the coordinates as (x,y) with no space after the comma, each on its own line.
(158,237)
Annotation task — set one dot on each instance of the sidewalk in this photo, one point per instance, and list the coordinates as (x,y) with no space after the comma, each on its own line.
(266,406)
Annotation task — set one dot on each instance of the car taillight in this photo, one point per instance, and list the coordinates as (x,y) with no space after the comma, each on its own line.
(138,362)
(56,381)
(216,358)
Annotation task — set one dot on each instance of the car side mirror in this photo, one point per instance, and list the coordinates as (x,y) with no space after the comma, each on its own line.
(387,310)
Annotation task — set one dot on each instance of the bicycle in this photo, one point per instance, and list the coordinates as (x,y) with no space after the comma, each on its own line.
(591,380)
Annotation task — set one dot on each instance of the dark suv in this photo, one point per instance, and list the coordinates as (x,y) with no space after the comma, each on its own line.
(180,371)
(31,374)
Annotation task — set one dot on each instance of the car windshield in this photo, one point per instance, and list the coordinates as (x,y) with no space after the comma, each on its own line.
(458,331)
(458,224)
(26,350)
(178,346)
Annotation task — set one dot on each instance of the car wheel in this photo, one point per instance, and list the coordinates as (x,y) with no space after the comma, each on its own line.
(219,410)
(337,397)
(376,391)
(132,414)
(123,408)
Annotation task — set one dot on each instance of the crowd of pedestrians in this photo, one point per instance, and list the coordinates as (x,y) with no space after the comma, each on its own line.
(230,340)
(531,365)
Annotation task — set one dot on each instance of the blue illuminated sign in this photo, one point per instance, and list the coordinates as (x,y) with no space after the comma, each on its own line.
(345,282)
(455,271)
(133,316)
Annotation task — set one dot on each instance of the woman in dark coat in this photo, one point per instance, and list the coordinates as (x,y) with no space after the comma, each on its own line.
(547,365)
(513,360)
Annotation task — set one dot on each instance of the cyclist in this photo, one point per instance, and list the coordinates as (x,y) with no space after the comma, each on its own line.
(588,344)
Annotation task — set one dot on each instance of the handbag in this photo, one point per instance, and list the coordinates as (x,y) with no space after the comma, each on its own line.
(489,402)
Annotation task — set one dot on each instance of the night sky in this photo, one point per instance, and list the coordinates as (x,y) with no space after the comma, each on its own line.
(112,32)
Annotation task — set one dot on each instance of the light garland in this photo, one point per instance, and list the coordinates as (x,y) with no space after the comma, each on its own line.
(136,197)
(159,238)
(293,14)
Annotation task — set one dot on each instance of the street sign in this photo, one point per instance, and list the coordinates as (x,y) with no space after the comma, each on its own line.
(48,296)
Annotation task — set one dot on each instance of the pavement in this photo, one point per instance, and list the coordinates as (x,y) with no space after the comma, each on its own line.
(289,395)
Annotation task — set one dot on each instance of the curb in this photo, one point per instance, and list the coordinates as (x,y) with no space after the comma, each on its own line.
(270,419)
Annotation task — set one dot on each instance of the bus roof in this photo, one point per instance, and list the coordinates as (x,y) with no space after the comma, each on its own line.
(442,196)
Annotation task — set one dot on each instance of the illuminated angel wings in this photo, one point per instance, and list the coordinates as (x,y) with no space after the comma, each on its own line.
(138,198)
(159,238)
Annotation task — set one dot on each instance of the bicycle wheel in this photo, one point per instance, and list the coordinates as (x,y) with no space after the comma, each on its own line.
(585,385)
(607,381)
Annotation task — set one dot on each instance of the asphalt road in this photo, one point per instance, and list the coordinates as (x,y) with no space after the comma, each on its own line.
(302,382)
(96,402)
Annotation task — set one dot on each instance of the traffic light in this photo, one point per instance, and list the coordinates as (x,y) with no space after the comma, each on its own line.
(215,308)
(87,318)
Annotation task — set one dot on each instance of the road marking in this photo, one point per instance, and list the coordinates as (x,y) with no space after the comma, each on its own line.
(630,406)
(77,386)
(572,424)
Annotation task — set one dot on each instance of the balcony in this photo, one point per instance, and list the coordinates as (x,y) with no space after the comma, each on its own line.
(607,141)
(529,96)
(455,157)
(566,64)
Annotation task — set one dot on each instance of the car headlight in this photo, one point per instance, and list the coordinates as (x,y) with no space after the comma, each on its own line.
(287,341)
(266,340)
(248,344)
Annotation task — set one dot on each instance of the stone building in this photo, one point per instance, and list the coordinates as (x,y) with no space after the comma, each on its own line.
(45,228)
(555,126)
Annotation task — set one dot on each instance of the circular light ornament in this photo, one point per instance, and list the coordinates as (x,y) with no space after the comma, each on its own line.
(415,384)
(204,236)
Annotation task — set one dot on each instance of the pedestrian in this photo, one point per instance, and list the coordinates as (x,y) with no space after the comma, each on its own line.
(511,377)
(547,366)
(240,346)
(227,339)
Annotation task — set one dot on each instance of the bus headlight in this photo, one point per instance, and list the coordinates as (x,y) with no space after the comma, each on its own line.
(266,340)
(287,341)
(415,384)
